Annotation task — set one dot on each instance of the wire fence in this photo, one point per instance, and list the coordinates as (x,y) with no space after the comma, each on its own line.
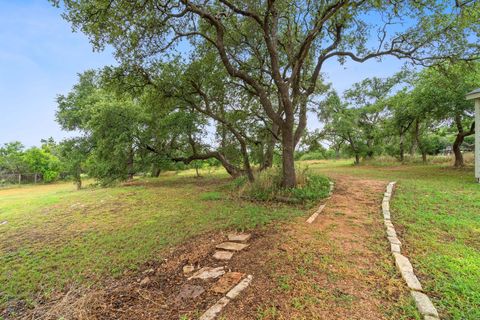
(19,178)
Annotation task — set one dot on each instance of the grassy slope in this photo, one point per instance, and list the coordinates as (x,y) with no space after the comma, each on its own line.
(56,237)
(437,212)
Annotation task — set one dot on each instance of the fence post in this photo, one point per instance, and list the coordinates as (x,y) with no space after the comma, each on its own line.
(35,178)
(19,178)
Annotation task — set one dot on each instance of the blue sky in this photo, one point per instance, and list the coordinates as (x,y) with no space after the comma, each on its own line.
(40,58)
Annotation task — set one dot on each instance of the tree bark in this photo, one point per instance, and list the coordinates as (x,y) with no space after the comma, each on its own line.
(289,178)
(402,147)
(130,164)
(156,171)
(459,140)
(269,152)
(357,159)
(415,138)
(456,150)
(424,155)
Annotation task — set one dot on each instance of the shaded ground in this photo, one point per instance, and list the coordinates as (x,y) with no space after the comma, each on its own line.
(337,268)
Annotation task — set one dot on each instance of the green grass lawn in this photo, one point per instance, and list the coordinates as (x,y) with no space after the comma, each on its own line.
(57,237)
(436,210)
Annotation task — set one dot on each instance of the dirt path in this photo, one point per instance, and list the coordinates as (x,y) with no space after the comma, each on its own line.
(339,267)
(336,268)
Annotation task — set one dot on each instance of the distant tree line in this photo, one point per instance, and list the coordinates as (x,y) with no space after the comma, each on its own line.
(424,112)
(42,162)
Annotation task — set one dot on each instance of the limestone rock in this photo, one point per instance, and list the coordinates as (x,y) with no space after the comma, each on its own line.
(188,269)
(402,262)
(391,232)
(232,246)
(394,240)
(227,281)
(239,237)
(412,281)
(207,273)
(223,255)
(395,248)
(424,305)
(214,310)
(232,294)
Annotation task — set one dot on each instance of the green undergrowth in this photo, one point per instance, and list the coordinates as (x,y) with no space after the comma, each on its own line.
(310,188)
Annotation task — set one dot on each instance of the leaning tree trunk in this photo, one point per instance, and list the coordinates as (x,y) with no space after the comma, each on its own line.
(456,150)
(459,140)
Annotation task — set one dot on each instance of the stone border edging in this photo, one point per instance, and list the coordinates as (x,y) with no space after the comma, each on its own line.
(423,302)
(214,310)
(322,206)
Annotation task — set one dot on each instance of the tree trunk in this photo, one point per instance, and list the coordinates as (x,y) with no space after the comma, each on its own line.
(196,170)
(79,184)
(424,156)
(289,179)
(269,152)
(156,171)
(459,140)
(456,150)
(415,139)
(357,159)
(130,164)
(402,147)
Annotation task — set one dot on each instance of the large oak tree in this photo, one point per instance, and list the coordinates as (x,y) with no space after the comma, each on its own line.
(280,43)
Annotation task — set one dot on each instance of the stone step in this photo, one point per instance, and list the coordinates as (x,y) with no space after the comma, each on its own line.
(232,246)
(208,273)
(223,255)
(239,237)
(227,281)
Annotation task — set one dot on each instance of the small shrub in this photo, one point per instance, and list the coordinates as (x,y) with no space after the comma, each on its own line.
(316,155)
(267,187)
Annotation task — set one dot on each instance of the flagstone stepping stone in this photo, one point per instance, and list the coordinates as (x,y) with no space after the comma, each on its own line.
(232,294)
(227,281)
(188,291)
(223,255)
(232,246)
(208,273)
(239,237)
(214,310)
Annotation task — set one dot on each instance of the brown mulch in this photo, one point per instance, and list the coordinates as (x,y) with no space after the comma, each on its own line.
(335,268)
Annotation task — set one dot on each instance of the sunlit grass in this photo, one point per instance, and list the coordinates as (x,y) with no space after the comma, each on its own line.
(56,237)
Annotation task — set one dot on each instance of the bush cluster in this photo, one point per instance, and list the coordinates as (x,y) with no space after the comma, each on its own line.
(267,187)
